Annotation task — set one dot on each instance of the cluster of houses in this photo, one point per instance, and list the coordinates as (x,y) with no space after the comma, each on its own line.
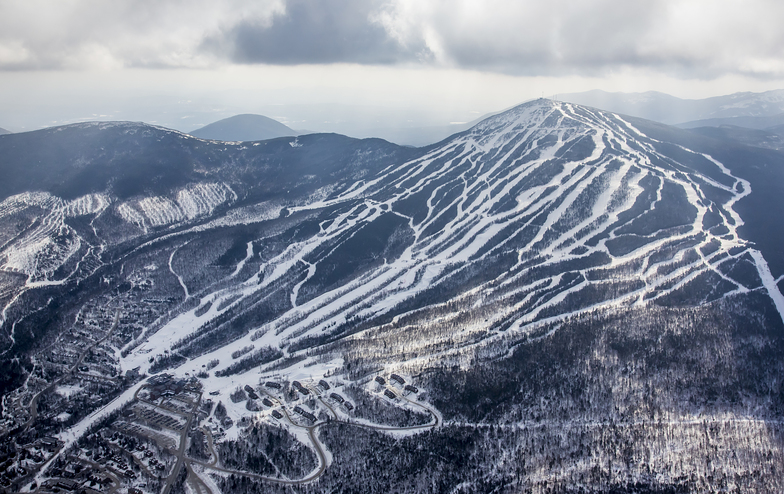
(399,381)
(299,388)
(395,379)
(122,446)
(16,465)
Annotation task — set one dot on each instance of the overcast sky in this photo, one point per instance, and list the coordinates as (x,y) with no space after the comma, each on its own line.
(316,63)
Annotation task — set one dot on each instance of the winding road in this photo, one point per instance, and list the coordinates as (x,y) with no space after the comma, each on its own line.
(318,472)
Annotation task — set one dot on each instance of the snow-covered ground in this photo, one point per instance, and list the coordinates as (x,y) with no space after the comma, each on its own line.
(502,188)
(491,167)
(190,202)
(47,242)
(67,390)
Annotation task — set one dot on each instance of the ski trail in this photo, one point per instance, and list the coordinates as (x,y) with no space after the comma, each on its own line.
(295,290)
(5,318)
(179,278)
(241,264)
(768,281)
(512,196)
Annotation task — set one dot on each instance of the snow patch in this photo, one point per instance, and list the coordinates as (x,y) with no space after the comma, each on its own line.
(68,390)
(188,203)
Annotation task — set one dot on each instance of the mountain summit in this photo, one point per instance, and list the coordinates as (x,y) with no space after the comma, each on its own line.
(247,127)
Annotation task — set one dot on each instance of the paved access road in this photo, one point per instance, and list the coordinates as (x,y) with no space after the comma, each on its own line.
(316,444)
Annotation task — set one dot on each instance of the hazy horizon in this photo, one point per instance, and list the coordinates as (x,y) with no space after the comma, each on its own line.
(351,65)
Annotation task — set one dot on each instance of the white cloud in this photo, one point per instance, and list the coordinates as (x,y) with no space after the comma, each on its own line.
(684,38)
(693,38)
(81,34)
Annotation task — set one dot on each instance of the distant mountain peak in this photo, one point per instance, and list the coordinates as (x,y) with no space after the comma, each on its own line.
(672,110)
(245,127)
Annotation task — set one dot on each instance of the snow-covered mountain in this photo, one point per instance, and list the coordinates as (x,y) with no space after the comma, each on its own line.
(554,268)
(765,107)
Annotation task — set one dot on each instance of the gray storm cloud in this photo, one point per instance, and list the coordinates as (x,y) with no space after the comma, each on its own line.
(337,31)
(686,38)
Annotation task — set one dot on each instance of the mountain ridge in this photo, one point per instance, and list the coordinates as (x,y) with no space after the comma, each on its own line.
(553,268)
(749,122)
(671,110)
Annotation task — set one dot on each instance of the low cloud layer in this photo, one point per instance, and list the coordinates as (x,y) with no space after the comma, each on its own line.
(684,38)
